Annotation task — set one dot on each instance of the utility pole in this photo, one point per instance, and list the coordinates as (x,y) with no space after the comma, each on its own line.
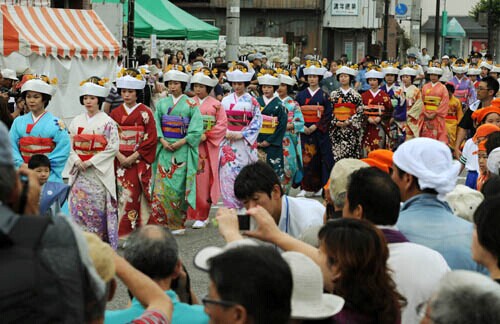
(386,27)
(436,30)
(232,30)
(130,33)
(490,27)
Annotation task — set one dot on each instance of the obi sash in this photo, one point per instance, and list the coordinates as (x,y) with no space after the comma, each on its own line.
(30,145)
(461,95)
(344,110)
(431,103)
(452,115)
(312,113)
(131,137)
(174,126)
(237,119)
(88,145)
(269,124)
(208,122)
(373,110)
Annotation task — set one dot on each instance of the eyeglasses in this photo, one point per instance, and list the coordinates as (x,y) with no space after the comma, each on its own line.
(224,303)
(480,89)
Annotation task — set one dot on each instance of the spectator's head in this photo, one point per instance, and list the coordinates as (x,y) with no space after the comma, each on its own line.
(339,177)
(484,131)
(485,238)
(41,165)
(493,142)
(260,293)
(491,187)
(451,88)
(153,251)
(424,51)
(487,88)
(8,175)
(380,159)
(358,270)
(258,184)
(463,201)
(464,297)
(487,115)
(367,188)
(424,165)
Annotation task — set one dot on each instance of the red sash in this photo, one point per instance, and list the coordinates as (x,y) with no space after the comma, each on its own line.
(88,145)
(30,145)
(344,110)
(130,137)
(312,113)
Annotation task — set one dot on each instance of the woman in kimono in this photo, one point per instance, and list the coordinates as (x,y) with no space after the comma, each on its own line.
(292,150)
(316,147)
(179,126)
(464,87)
(95,142)
(398,120)
(413,100)
(244,120)
(435,97)
(214,130)
(274,120)
(377,112)
(137,152)
(40,132)
(346,126)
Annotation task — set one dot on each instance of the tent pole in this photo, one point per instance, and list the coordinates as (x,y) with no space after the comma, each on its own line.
(130,32)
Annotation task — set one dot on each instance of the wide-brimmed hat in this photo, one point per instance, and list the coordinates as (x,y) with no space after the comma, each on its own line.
(473,70)
(295,60)
(390,68)
(9,74)
(201,77)
(374,72)
(308,299)
(314,68)
(486,64)
(130,79)
(201,259)
(460,68)
(463,201)
(41,84)
(284,77)
(96,88)
(176,75)
(268,77)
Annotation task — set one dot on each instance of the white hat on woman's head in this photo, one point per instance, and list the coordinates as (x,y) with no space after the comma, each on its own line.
(374,74)
(283,78)
(41,84)
(201,78)
(89,87)
(390,68)
(314,68)
(486,64)
(129,82)
(308,299)
(176,75)
(344,69)
(9,74)
(239,73)
(459,68)
(408,70)
(435,70)
(268,77)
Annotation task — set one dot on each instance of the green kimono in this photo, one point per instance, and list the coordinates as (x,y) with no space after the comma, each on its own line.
(274,152)
(174,173)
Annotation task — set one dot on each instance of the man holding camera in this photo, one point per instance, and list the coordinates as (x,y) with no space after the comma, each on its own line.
(258,185)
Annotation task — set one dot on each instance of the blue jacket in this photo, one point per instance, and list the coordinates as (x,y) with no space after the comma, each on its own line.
(430,222)
(183,313)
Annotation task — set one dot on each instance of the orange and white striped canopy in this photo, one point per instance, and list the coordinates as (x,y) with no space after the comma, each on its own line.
(56,32)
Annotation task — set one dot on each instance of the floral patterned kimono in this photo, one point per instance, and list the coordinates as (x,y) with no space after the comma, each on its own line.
(414,105)
(137,133)
(207,176)
(272,131)
(243,116)
(464,91)
(174,175)
(316,147)
(436,100)
(397,128)
(376,105)
(92,199)
(292,151)
(346,141)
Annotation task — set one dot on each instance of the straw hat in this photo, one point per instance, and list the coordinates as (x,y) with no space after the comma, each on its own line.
(308,299)
(102,256)
(340,175)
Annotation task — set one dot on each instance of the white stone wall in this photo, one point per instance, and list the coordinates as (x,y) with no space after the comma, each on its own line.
(272,46)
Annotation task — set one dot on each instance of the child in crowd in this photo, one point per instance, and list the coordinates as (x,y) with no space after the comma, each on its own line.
(455,114)
(482,157)
(53,195)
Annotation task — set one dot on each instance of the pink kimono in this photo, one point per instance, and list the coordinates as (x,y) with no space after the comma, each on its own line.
(207,177)
(432,121)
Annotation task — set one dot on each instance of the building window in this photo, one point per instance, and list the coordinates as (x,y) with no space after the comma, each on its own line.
(209,21)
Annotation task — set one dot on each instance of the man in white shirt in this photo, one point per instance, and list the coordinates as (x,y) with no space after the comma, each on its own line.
(258,184)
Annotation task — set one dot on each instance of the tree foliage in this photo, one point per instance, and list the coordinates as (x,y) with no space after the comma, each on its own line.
(483,6)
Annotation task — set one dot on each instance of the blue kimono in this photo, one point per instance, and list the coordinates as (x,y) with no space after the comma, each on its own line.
(47,127)
(53,198)
(317,154)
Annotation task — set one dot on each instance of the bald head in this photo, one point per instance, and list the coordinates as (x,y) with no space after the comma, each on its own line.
(152,250)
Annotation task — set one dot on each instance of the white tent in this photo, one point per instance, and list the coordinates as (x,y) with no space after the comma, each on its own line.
(70,45)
